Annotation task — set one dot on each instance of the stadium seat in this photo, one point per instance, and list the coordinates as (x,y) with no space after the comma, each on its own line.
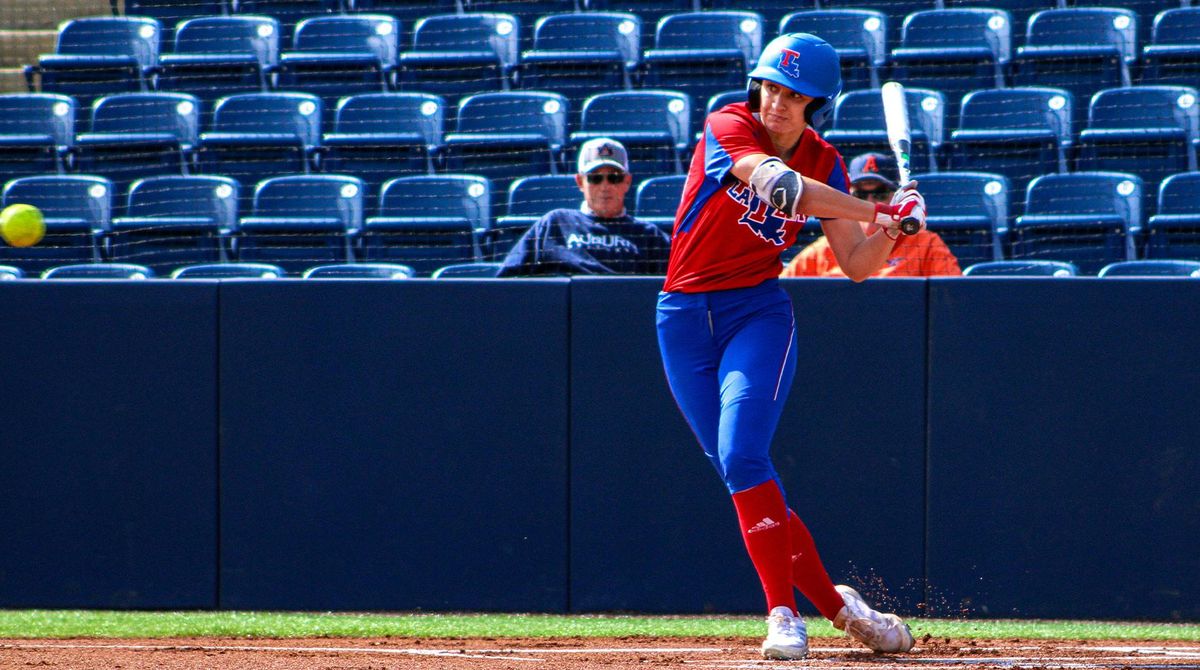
(360,271)
(261,135)
(1146,130)
(217,56)
(99,271)
(772,11)
(654,126)
(139,135)
(657,199)
(1025,268)
(172,221)
(894,10)
(380,136)
(526,13)
(302,220)
(429,221)
(858,125)
(651,12)
(290,12)
(577,55)
(484,270)
(954,51)
(1145,10)
(335,56)
(507,135)
(407,12)
(858,35)
(229,271)
(77,210)
(1081,49)
(1174,230)
(98,56)
(457,55)
(1018,10)
(1018,132)
(1089,218)
(170,13)
(528,199)
(1151,268)
(37,130)
(8,272)
(703,53)
(1173,54)
(971,214)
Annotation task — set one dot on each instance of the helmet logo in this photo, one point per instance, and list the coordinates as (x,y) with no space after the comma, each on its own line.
(789,63)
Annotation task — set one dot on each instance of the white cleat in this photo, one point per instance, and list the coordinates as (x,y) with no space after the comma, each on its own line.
(884,633)
(787,638)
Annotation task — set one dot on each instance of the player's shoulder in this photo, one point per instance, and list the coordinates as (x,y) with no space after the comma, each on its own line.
(733,114)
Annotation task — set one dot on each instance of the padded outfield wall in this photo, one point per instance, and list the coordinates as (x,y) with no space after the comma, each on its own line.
(1004,447)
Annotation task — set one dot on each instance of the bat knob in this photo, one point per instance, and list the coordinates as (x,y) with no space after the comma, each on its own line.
(910,226)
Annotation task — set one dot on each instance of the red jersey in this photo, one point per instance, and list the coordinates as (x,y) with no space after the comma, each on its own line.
(725,236)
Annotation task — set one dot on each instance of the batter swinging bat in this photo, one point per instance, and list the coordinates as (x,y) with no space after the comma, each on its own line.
(895,114)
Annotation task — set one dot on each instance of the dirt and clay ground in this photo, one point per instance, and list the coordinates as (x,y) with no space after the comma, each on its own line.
(580,653)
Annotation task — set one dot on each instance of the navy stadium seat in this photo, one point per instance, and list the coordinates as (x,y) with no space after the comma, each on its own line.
(528,199)
(172,221)
(37,130)
(259,135)
(858,125)
(429,221)
(409,11)
(1019,10)
(1174,230)
(98,56)
(654,126)
(969,210)
(8,272)
(217,56)
(302,220)
(169,13)
(482,270)
(360,271)
(858,35)
(581,54)
(1146,130)
(657,199)
(1019,132)
(1081,49)
(1024,268)
(456,55)
(1173,55)
(895,10)
(335,56)
(526,13)
(506,135)
(229,271)
(1151,268)
(650,11)
(1145,10)
(380,136)
(99,271)
(77,211)
(289,13)
(954,51)
(1089,218)
(703,53)
(139,135)
(772,11)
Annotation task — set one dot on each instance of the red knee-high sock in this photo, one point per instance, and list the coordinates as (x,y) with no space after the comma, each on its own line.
(808,573)
(762,516)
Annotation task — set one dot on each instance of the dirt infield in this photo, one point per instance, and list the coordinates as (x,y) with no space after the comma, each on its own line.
(580,653)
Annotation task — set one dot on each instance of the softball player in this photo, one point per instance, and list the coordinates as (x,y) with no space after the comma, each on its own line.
(726,330)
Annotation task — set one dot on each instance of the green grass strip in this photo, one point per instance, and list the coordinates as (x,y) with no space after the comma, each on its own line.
(124,624)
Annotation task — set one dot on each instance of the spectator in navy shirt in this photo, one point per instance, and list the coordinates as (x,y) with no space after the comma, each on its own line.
(600,237)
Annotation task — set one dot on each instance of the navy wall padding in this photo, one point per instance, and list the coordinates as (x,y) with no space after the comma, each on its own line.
(394,445)
(108,445)
(1065,457)
(652,526)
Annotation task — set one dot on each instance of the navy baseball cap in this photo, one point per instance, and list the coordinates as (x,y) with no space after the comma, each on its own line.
(878,167)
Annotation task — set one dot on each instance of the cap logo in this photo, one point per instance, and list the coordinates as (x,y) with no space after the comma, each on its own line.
(789,62)
(605,151)
(870,165)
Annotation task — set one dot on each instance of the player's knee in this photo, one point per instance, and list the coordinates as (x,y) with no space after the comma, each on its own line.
(743,471)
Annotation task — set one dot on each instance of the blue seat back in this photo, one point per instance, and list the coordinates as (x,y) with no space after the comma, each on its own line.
(174,114)
(960,28)
(136,37)
(482,270)
(300,221)
(591,31)
(1151,268)
(518,112)
(376,34)
(1019,10)
(360,271)
(464,196)
(299,197)
(256,36)
(1178,25)
(1089,218)
(1030,108)
(1085,26)
(99,271)
(8,272)
(703,31)
(1107,193)
(1022,268)
(297,115)
(77,209)
(229,271)
(858,124)
(409,11)
(654,126)
(35,131)
(208,197)
(1180,194)
(470,32)
(430,221)
(418,114)
(657,199)
(175,220)
(534,196)
(970,212)
(1134,107)
(289,12)
(169,13)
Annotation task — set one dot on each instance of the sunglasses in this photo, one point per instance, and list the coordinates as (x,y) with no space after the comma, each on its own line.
(611,177)
(881,195)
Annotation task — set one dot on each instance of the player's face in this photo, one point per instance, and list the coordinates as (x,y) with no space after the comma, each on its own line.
(782,109)
(604,190)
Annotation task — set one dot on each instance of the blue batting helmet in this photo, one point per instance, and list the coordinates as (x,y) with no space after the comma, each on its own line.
(803,63)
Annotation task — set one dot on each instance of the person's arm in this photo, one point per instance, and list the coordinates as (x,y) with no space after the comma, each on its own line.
(816,198)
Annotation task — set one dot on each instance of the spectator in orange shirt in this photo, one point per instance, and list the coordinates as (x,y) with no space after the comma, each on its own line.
(874,177)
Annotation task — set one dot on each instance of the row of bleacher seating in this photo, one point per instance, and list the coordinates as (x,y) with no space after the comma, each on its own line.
(1150,131)
(1010,268)
(426,221)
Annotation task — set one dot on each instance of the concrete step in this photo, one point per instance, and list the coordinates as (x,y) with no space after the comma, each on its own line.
(12,80)
(47,14)
(22,47)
